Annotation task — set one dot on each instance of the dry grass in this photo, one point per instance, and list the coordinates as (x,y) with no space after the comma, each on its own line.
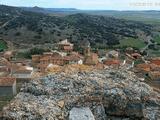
(70,68)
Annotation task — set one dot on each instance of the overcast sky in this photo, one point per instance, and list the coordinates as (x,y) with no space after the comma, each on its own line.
(89,4)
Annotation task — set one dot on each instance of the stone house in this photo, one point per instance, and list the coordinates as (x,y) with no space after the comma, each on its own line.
(114,63)
(48,57)
(150,69)
(58,60)
(133,56)
(90,58)
(155,61)
(112,54)
(22,62)
(4,67)
(23,72)
(55,58)
(145,68)
(35,60)
(65,46)
(129,50)
(7,86)
(154,75)
(45,61)
(8,55)
(136,56)
(75,58)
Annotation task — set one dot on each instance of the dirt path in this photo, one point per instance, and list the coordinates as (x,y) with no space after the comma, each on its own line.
(149,43)
(7,22)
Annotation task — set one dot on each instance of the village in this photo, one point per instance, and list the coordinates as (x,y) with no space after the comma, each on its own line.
(15,72)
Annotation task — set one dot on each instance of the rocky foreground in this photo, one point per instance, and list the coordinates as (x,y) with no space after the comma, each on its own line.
(101,95)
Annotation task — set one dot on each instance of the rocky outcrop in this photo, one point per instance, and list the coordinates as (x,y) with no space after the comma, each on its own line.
(81,114)
(110,94)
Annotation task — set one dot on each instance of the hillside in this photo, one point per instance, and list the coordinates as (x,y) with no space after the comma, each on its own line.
(25,28)
(147,16)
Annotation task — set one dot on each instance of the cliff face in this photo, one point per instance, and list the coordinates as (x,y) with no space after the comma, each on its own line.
(109,94)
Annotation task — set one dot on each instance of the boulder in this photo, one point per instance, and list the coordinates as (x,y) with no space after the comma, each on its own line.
(109,93)
(81,114)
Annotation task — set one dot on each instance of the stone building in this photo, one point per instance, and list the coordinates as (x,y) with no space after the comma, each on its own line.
(115,63)
(154,75)
(90,58)
(23,73)
(35,60)
(155,61)
(7,86)
(5,68)
(45,61)
(55,58)
(8,55)
(65,46)
(151,70)
(112,54)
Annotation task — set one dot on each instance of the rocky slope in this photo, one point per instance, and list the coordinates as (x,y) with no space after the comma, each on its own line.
(110,94)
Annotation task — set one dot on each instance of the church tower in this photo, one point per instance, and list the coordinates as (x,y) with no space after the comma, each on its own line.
(87,50)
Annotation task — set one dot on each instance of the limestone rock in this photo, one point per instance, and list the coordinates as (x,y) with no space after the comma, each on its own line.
(107,93)
(81,114)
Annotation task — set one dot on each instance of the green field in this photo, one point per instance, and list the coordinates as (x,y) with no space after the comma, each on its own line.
(154,53)
(157,39)
(131,42)
(3,45)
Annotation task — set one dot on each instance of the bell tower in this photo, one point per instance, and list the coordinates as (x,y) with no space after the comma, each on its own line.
(87,50)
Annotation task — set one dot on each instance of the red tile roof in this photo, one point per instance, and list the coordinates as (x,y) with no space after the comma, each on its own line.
(136,55)
(24,69)
(42,65)
(144,67)
(112,62)
(7,81)
(156,61)
(74,57)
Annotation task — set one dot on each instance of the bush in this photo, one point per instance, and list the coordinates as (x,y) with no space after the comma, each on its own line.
(37,37)
(33,51)
(17,34)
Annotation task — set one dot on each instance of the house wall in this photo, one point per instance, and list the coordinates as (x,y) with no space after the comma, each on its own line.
(14,88)
(6,90)
(23,75)
(154,76)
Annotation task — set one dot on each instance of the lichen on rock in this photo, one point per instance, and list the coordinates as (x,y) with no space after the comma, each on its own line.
(109,94)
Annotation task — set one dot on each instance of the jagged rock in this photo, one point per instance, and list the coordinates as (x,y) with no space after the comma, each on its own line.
(81,114)
(110,93)
(99,112)
(61,103)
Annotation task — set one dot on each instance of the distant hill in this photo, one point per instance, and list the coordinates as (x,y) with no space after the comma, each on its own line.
(27,28)
(148,16)
(48,10)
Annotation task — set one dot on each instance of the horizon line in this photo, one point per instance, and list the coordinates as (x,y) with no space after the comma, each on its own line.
(83,9)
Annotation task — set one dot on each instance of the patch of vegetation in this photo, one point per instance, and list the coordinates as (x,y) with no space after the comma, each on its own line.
(131,42)
(154,53)
(157,40)
(3,45)
(4,100)
(28,54)
(17,34)
(139,61)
